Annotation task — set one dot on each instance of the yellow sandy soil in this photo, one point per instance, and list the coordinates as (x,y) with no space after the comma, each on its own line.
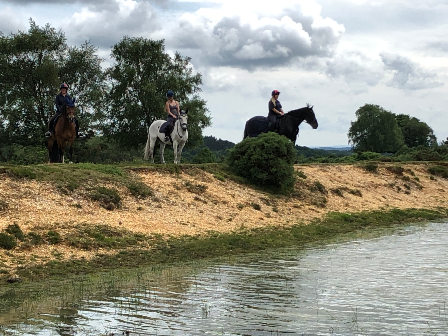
(217,205)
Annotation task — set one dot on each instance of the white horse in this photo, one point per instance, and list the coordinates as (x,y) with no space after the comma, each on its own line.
(179,136)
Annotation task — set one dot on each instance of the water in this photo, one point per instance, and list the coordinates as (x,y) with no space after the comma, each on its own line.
(386,285)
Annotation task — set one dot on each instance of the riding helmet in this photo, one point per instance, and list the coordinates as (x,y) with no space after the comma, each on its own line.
(63,86)
(275,92)
(170,93)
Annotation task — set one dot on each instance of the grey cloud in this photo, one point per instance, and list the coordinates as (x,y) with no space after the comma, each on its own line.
(272,43)
(10,24)
(109,26)
(408,75)
(439,46)
(357,70)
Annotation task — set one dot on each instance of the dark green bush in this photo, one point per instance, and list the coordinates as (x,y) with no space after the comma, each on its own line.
(140,190)
(397,170)
(108,198)
(370,167)
(266,161)
(53,237)
(7,241)
(368,156)
(16,231)
(3,205)
(205,155)
(441,171)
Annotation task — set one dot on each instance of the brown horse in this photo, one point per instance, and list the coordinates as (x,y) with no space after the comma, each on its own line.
(64,133)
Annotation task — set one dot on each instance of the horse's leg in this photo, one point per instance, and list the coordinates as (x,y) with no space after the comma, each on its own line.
(61,149)
(50,149)
(162,149)
(175,144)
(147,152)
(179,151)
(152,143)
(70,151)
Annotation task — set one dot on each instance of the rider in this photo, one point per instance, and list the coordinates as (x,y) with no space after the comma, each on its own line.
(275,110)
(60,102)
(172,108)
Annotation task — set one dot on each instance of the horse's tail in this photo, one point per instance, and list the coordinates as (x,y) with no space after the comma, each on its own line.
(147,148)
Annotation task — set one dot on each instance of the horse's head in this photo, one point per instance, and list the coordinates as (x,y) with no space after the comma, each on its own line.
(183,119)
(310,117)
(70,109)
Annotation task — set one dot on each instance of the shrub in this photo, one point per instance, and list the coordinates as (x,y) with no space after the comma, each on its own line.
(139,189)
(266,161)
(205,155)
(368,156)
(7,241)
(53,237)
(195,188)
(370,167)
(108,198)
(3,205)
(441,171)
(301,174)
(16,231)
(397,170)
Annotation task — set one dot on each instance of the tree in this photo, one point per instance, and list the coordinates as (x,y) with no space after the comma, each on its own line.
(375,130)
(415,132)
(32,65)
(142,74)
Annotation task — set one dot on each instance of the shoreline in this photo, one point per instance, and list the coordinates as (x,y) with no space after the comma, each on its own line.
(196,211)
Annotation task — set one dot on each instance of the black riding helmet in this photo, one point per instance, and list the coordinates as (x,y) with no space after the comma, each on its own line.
(63,86)
(275,92)
(170,93)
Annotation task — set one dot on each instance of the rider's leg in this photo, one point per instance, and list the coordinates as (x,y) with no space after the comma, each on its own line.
(50,126)
(78,133)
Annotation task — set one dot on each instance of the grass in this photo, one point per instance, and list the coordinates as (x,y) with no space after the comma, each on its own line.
(163,249)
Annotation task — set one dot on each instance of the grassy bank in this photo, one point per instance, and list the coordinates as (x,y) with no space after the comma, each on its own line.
(157,249)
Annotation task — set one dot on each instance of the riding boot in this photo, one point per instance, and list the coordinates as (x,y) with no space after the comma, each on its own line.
(167,135)
(50,127)
(78,133)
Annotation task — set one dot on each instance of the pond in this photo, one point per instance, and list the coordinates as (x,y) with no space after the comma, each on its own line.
(393,284)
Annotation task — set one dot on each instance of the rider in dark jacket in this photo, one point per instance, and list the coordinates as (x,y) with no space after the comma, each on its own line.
(275,110)
(172,108)
(60,101)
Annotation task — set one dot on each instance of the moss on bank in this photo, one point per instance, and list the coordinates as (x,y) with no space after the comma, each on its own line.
(161,249)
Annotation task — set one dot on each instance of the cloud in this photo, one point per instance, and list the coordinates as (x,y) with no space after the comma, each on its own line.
(10,23)
(106,23)
(408,75)
(356,69)
(231,36)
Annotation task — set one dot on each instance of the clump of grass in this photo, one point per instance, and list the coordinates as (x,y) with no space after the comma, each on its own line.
(406,178)
(76,205)
(34,238)
(256,206)
(108,198)
(370,167)
(407,186)
(397,170)
(337,192)
(410,171)
(3,205)
(16,231)
(355,192)
(301,174)
(53,237)
(319,187)
(439,170)
(7,241)
(195,188)
(22,172)
(140,190)
(240,206)
(417,179)
(219,177)
(320,202)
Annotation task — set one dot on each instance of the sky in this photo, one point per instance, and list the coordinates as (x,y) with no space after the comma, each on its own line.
(335,55)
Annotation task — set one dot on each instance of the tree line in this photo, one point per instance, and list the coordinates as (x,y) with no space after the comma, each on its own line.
(118,101)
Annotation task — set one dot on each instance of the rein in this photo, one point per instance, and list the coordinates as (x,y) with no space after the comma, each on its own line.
(177,128)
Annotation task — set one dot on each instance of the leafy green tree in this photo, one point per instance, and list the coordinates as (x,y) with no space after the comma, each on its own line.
(32,65)
(415,132)
(205,155)
(266,161)
(375,130)
(142,74)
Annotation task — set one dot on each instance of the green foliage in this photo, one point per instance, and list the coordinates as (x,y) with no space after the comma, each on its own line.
(34,238)
(370,167)
(301,174)
(319,187)
(256,206)
(7,241)
(53,237)
(368,156)
(415,132)
(205,155)
(142,74)
(439,170)
(140,190)
(24,155)
(195,188)
(16,231)
(266,161)
(375,130)
(397,170)
(108,198)
(32,65)
(22,172)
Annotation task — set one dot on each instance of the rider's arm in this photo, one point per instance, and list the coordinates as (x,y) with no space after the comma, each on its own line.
(272,107)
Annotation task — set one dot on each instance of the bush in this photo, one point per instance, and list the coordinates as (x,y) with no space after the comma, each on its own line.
(266,161)
(108,198)
(441,171)
(205,155)
(3,205)
(7,241)
(368,156)
(16,231)
(53,237)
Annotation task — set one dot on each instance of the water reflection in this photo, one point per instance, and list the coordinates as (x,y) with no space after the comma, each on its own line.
(388,285)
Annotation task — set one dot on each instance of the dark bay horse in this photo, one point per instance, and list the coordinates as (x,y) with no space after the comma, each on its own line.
(64,133)
(287,125)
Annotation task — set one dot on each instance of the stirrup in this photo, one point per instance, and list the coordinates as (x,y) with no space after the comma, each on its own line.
(80,135)
(48,134)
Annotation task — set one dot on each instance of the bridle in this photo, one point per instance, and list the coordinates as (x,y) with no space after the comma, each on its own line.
(183,127)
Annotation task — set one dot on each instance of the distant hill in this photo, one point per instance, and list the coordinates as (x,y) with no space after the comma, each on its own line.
(337,148)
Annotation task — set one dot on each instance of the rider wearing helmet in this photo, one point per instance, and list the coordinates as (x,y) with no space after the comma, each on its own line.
(275,110)
(60,102)
(172,108)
